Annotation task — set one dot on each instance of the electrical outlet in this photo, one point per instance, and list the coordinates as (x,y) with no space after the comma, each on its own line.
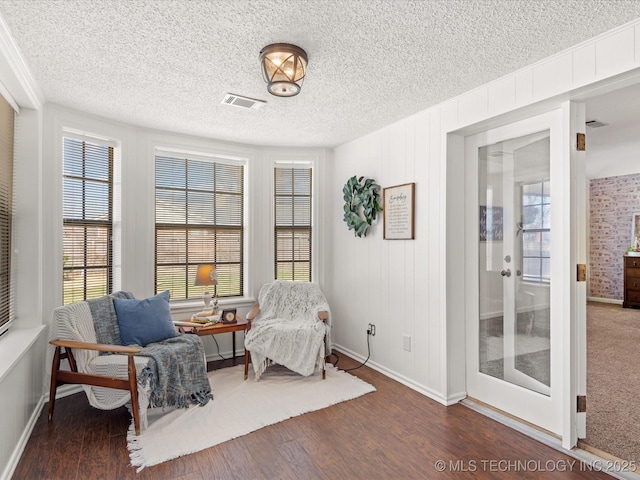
(371,330)
(406,339)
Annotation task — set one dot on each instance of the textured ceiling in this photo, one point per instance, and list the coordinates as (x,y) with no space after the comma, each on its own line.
(167,64)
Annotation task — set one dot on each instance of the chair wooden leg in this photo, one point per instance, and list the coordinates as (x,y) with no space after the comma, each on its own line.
(54,381)
(71,359)
(246,364)
(133,388)
(324,357)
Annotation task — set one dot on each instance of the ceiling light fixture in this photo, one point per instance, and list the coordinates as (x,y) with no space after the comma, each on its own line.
(283,68)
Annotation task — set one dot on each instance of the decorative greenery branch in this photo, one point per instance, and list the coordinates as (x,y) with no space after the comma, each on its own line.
(362,204)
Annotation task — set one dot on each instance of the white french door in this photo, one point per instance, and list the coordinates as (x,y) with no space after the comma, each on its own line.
(514,209)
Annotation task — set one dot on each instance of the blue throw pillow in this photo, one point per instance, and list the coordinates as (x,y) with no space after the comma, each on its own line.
(145,321)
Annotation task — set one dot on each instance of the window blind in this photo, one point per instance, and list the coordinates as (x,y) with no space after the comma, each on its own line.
(292,229)
(88,219)
(7,117)
(199,219)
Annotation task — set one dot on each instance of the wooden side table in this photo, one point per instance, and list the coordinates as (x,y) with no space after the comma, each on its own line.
(194,328)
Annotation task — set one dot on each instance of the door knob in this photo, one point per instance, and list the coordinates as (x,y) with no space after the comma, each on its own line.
(506,273)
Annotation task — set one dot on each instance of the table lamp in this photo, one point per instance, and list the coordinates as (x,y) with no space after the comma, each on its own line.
(206,276)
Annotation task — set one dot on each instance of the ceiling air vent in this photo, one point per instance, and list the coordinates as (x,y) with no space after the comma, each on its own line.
(242,102)
(595,124)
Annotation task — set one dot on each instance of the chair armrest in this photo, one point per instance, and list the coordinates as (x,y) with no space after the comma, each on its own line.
(253,312)
(323,315)
(251,315)
(101,347)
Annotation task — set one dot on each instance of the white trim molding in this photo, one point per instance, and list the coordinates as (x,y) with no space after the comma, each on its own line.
(20,83)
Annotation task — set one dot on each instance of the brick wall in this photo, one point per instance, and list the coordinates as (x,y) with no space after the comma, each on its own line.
(612,203)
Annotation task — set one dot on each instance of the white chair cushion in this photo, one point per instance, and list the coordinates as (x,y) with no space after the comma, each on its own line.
(116,366)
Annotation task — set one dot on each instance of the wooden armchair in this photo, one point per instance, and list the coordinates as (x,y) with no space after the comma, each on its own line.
(93,336)
(290,326)
(72,376)
(109,381)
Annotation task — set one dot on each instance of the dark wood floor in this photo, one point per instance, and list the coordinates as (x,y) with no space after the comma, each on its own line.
(393,433)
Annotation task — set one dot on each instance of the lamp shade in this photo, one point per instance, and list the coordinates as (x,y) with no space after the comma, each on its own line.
(283,68)
(206,275)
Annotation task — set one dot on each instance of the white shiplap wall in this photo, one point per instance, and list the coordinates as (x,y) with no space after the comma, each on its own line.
(400,285)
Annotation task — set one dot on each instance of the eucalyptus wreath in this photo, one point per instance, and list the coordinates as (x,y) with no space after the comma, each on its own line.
(361,204)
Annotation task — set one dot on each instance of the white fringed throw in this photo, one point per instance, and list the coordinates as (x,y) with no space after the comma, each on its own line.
(287,330)
(238,407)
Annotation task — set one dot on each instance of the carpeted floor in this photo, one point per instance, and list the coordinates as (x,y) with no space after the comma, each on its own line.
(613,380)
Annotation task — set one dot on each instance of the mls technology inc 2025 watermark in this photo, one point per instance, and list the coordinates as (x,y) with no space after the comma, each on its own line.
(505,465)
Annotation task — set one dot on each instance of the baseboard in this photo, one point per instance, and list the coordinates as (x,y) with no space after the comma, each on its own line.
(65,391)
(22,443)
(212,357)
(596,451)
(604,300)
(401,378)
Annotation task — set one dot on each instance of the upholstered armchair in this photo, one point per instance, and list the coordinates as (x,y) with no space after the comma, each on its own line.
(122,350)
(289,326)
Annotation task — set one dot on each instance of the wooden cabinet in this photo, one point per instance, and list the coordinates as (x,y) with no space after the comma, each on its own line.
(631,281)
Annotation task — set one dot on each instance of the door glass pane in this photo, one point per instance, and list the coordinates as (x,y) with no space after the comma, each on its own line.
(532,216)
(514,249)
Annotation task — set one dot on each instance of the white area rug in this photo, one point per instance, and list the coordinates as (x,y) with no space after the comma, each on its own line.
(238,407)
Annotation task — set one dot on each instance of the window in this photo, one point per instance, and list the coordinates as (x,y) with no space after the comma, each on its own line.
(292,229)
(199,219)
(536,232)
(6,213)
(87,219)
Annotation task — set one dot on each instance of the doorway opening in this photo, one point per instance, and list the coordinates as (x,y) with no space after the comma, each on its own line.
(613,332)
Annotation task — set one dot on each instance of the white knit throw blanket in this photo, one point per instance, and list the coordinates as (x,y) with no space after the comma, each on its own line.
(287,330)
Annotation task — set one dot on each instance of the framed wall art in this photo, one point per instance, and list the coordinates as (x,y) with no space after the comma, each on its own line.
(491,224)
(398,210)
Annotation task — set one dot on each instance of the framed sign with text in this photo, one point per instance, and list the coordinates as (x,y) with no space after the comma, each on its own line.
(398,210)
(491,224)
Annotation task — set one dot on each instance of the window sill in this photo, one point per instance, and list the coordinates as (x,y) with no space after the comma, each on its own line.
(14,344)
(190,307)
(535,284)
